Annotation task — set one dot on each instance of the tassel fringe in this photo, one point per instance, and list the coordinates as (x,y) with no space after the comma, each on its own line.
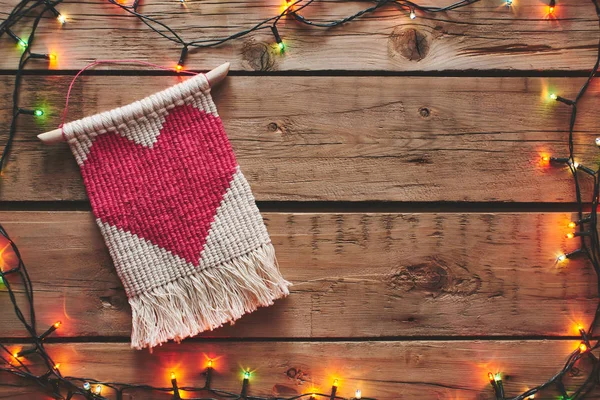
(207,299)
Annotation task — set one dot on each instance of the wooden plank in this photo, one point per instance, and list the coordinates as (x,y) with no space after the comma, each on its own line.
(482,36)
(386,370)
(354,275)
(344,138)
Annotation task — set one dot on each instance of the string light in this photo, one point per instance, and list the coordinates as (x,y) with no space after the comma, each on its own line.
(358,394)
(572,225)
(413,14)
(50,57)
(551,6)
(176,394)
(278,40)
(22,43)
(334,388)
(87,386)
(50,330)
(182,57)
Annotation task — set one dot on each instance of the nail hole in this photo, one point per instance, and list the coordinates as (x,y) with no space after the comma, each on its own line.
(424,111)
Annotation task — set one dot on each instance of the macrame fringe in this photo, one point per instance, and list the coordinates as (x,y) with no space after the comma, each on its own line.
(207,299)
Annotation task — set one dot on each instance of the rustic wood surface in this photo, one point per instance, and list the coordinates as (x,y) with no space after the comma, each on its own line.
(396,164)
(391,369)
(484,36)
(403,138)
(355,275)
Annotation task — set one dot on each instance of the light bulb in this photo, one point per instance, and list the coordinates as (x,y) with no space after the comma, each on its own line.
(247,374)
(358,394)
(335,383)
(210,363)
(87,386)
(570,235)
(38,113)
(413,15)
(509,3)
(583,347)
(553,96)
(572,225)
(62,19)
(98,390)
(561,258)
(56,366)
(172,375)
(57,323)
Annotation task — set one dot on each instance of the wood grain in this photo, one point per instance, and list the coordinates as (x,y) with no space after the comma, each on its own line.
(386,370)
(354,275)
(482,36)
(344,138)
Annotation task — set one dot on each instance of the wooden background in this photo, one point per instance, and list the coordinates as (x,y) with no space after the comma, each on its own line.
(396,165)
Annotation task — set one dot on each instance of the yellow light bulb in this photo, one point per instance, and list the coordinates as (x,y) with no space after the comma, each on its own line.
(561,258)
(172,375)
(57,366)
(210,363)
(583,347)
(570,235)
(572,225)
(335,383)
(57,324)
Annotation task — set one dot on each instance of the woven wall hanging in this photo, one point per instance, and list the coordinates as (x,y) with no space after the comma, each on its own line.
(176,213)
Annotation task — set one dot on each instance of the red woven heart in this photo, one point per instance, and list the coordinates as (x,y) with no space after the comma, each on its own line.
(167,194)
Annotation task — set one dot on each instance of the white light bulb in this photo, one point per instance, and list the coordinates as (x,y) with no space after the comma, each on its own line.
(413,15)
(98,390)
(87,386)
(358,394)
(598,141)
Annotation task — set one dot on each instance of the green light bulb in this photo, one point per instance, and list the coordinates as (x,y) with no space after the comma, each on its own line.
(247,374)
(281,46)
(22,43)
(38,112)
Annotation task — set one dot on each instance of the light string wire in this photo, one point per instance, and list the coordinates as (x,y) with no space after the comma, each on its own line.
(57,384)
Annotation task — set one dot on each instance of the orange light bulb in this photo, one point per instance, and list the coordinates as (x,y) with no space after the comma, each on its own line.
(172,375)
(570,235)
(179,67)
(210,363)
(583,347)
(572,225)
(56,366)
(57,324)
(491,377)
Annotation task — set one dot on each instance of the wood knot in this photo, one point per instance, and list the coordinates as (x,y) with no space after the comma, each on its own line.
(257,56)
(113,302)
(434,277)
(410,43)
(424,112)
